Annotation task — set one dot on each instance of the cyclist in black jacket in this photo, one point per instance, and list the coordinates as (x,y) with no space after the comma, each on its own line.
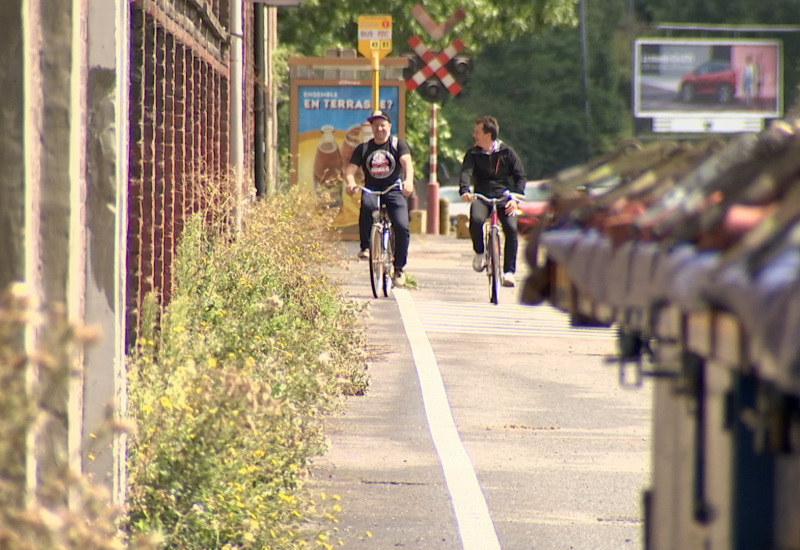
(493,167)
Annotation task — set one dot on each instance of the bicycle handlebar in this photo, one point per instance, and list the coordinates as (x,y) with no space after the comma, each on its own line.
(506,195)
(397,184)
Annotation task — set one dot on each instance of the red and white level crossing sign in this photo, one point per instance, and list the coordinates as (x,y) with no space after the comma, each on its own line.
(436,30)
(434,65)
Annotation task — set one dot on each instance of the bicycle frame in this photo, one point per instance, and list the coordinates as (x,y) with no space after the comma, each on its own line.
(492,242)
(381,245)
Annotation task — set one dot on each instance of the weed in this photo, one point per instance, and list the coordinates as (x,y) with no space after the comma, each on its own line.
(255,349)
(60,509)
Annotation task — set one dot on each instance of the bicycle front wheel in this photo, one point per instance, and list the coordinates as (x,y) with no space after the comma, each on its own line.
(388,255)
(493,246)
(377,267)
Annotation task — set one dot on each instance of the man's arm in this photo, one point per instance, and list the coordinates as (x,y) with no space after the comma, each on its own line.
(518,175)
(408,169)
(350,170)
(350,178)
(465,177)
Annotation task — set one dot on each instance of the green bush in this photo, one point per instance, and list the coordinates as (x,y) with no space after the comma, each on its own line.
(256,347)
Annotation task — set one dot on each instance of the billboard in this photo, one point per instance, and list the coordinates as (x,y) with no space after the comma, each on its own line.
(328,121)
(709,79)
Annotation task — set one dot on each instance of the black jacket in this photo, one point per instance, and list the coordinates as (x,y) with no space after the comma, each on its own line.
(492,173)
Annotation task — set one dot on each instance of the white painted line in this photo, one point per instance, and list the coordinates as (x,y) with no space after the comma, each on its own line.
(472,514)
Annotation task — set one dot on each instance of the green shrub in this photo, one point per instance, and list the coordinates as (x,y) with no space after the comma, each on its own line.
(256,347)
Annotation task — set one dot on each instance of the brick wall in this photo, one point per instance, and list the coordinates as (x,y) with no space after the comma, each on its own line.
(179,137)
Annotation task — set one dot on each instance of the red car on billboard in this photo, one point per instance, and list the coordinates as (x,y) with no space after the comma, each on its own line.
(715,79)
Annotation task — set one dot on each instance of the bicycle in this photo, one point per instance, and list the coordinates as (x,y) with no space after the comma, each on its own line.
(381,244)
(491,235)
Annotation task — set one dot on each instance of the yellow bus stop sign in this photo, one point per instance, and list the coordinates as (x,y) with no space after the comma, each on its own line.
(374,35)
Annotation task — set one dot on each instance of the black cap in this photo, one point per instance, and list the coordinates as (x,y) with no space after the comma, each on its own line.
(380,114)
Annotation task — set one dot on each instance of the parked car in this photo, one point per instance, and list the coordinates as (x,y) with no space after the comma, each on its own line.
(713,78)
(537,198)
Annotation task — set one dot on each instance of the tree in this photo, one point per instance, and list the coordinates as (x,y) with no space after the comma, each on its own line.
(534,87)
(736,12)
(317,25)
(528,69)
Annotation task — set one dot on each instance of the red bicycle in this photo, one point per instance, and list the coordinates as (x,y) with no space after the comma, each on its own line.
(491,235)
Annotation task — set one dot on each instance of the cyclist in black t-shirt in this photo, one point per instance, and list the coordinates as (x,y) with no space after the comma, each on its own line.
(385,159)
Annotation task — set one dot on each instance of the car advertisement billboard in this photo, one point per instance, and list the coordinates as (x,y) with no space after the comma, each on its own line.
(708,78)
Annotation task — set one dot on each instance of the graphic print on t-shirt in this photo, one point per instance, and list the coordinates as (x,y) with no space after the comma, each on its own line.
(381,164)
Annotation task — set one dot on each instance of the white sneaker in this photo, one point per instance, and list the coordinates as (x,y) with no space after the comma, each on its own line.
(364,254)
(508,279)
(479,262)
(399,279)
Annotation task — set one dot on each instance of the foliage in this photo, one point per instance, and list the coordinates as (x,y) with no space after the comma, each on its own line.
(720,11)
(534,86)
(333,23)
(529,66)
(254,350)
(64,510)
(781,13)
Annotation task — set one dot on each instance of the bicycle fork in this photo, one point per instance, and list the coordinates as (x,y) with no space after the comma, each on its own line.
(494,222)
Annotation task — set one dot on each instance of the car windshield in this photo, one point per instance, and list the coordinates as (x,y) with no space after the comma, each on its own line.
(450,193)
(537,192)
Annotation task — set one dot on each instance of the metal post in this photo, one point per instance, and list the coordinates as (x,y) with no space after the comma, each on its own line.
(433,184)
(123,73)
(271,122)
(259,137)
(236,97)
(33,114)
(376,81)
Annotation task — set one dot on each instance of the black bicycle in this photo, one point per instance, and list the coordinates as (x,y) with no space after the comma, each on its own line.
(381,245)
(491,235)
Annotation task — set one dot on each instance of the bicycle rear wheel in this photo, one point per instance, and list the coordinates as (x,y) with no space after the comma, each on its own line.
(493,246)
(377,267)
(389,260)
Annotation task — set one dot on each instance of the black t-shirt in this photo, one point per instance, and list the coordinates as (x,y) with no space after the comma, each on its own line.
(381,163)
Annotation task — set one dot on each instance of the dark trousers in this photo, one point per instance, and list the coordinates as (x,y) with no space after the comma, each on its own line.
(397,206)
(478,214)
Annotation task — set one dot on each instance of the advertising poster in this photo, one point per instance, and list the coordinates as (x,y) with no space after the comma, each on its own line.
(331,121)
(712,78)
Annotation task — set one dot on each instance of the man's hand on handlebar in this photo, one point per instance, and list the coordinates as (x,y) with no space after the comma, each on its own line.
(511,206)
(350,188)
(407,188)
(467,197)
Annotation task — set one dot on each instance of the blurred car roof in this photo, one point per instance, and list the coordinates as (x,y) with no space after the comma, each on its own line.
(537,190)
(457,206)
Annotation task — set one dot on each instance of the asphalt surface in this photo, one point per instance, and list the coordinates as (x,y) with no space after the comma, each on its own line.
(560,451)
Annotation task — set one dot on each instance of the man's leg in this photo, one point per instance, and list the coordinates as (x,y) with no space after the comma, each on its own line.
(478,213)
(509,224)
(368,205)
(397,205)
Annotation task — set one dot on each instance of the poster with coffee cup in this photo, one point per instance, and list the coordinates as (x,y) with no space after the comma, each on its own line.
(331,123)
